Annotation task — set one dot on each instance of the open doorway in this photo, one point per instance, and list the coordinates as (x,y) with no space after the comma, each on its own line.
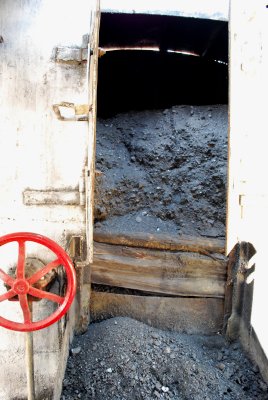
(159,236)
(162,125)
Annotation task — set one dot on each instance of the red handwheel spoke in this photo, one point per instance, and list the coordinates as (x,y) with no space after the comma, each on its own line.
(21,260)
(8,295)
(46,295)
(39,274)
(6,278)
(25,308)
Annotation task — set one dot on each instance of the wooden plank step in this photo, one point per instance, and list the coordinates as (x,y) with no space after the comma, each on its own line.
(165,272)
(162,242)
(189,315)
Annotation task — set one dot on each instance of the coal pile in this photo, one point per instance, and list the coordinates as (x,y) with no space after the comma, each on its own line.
(123,359)
(163,171)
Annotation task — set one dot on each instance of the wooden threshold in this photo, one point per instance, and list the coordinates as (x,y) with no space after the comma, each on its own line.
(162,242)
(162,272)
(181,280)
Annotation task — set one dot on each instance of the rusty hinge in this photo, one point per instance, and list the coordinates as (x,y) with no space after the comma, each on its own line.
(76,248)
(241,203)
(66,111)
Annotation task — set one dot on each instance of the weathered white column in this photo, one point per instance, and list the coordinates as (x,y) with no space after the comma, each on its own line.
(248,162)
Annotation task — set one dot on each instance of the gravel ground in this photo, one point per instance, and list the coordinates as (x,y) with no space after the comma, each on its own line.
(163,171)
(123,359)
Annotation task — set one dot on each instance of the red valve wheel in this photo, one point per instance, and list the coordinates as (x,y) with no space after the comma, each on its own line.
(22,286)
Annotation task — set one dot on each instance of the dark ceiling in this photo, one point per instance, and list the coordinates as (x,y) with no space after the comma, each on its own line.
(207,38)
(142,79)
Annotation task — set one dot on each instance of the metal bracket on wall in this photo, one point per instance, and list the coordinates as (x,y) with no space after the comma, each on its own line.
(74,55)
(66,111)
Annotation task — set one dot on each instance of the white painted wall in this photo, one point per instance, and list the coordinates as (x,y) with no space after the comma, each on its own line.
(39,152)
(248,190)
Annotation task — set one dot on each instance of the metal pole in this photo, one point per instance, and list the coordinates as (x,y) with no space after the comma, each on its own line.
(29,362)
